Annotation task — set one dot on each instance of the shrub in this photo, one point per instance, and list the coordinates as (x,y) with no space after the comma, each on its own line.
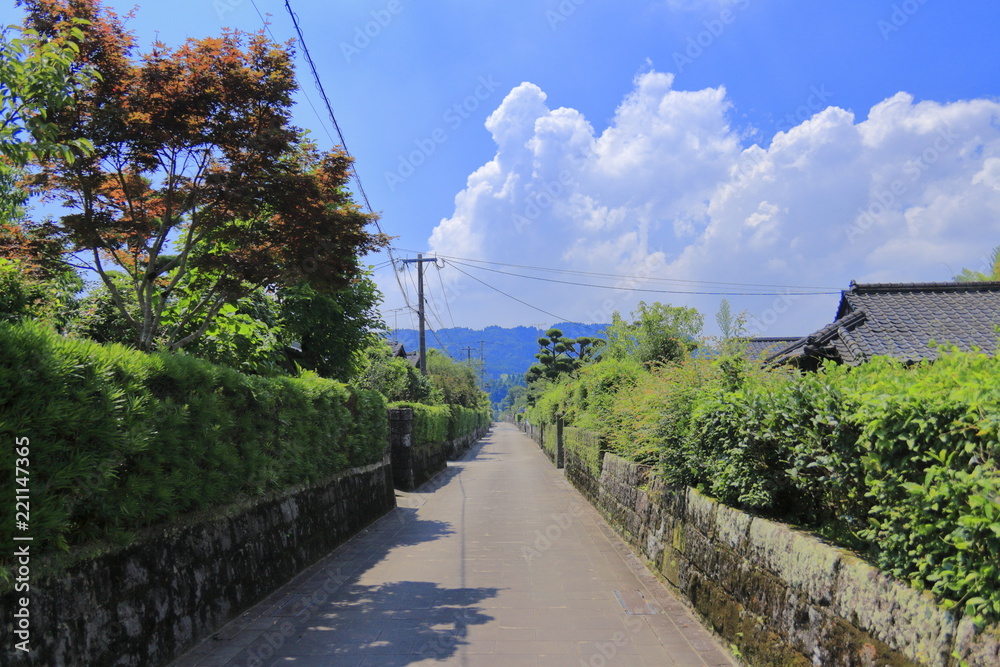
(930,443)
(430,422)
(120,439)
(463,420)
(898,462)
(586,446)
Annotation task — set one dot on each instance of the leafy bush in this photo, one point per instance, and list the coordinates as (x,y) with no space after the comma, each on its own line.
(430,422)
(463,420)
(930,443)
(437,423)
(586,446)
(395,378)
(120,439)
(897,462)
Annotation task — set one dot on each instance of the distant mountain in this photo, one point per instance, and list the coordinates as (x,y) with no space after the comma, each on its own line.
(506,353)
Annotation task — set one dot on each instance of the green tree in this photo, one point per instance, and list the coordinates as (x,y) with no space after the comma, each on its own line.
(39,75)
(970,276)
(655,333)
(396,379)
(195,145)
(457,382)
(98,318)
(560,356)
(333,330)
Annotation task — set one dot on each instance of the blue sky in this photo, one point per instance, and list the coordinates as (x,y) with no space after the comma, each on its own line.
(694,142)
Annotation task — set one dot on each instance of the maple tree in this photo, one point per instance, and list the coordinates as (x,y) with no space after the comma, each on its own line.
(199,188)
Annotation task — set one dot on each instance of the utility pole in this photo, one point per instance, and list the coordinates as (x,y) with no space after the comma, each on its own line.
(420,306)
(468,353)
(395,322)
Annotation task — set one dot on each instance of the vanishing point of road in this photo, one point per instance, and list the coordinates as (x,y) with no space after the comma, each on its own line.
(497,561)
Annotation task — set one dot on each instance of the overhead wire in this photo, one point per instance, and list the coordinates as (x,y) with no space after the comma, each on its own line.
(426,325)
(444,293)
(267,26)
(343,145)
(625,288)
(558,318)
(652,279)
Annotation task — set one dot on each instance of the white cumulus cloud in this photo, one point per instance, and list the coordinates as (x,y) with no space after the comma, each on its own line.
(668,190)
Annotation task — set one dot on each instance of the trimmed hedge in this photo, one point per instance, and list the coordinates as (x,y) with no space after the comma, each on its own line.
(438,423)
(430,422)
(586,445)
(464,421)
(898,462)
(120,439)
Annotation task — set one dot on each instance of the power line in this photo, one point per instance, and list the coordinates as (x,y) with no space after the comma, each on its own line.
(822,290)
(623,288)
(267,26)
(444,294)
(343,143)
(510,296)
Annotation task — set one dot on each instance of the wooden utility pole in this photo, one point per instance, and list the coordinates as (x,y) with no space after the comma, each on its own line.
(420,307)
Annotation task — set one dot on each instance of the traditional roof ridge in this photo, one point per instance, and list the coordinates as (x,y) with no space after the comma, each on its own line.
(951,286)
(820,337)
(856,289)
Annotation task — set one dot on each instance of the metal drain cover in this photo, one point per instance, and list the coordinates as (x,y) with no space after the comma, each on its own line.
(634,604)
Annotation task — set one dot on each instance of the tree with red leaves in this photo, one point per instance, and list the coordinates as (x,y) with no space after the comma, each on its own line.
(199,188)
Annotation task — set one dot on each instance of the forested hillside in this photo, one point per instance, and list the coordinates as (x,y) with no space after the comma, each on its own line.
(506,353)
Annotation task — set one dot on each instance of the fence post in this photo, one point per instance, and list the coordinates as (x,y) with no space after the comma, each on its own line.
(560,462)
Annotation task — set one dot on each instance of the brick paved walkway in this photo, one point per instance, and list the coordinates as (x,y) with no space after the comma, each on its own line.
(497,561)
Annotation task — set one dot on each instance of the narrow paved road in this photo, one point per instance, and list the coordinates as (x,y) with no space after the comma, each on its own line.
(497,561)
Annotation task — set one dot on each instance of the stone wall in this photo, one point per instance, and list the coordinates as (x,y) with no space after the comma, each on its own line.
(415,463)
(147,603)
(782,596)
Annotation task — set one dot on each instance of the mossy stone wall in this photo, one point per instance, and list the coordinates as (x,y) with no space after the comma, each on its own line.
(413,463)
(147,603)
(782,596)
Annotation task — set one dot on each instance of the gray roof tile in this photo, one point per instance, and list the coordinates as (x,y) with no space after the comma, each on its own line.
(906,321)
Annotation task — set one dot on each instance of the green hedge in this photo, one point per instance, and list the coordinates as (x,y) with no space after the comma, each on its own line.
(586,446)
(437,423)
(464,421)
(430,422)
(898,462)
(120,439)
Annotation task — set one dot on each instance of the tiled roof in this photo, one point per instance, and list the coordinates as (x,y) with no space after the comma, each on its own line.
(905,320)
(399,351)
(760,348)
